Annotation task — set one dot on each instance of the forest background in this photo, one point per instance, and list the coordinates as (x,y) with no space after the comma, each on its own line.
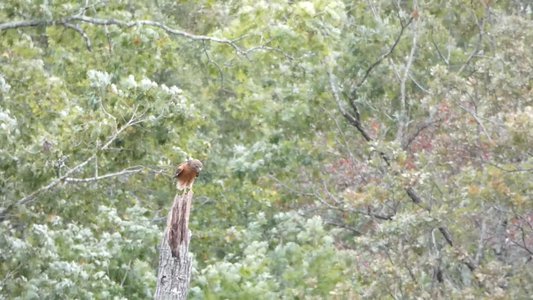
(351,149)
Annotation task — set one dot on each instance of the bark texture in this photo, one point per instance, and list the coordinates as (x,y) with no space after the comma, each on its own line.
(175,262)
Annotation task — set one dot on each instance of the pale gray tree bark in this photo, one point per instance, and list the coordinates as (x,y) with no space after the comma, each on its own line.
(175,265)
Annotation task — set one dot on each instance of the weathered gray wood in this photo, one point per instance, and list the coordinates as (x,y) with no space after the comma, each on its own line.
(174,271)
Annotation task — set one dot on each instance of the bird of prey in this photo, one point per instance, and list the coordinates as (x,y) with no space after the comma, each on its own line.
(187,173)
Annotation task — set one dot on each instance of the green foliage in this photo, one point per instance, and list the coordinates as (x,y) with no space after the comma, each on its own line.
(291,257)
(293,201)
(59,259)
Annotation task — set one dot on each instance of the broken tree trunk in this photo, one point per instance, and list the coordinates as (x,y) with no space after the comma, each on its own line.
(175,262)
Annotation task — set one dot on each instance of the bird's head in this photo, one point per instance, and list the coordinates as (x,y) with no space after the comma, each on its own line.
(196,165)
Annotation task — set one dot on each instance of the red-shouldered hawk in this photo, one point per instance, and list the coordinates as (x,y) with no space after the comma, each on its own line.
(187,173)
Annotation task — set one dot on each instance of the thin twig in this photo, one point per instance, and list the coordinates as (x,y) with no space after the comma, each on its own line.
(220,72)
(438,50)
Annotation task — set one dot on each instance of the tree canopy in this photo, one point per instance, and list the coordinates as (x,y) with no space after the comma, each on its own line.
(351,149)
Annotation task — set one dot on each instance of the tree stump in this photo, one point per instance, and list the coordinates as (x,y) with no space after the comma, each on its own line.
(175,262)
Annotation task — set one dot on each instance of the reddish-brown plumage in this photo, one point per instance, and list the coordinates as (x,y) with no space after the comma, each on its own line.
(187,173)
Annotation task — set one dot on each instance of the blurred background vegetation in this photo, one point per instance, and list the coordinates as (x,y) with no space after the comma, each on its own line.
(351,149)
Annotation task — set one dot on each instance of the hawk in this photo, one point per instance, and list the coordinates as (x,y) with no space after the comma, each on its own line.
(187,173)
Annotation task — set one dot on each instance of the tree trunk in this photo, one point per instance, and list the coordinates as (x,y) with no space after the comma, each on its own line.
(175,265)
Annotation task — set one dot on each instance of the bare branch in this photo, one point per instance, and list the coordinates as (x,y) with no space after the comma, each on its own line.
(83,34)
(109,175)
(414,196)
(31,23)
(46,23)
(438,50)
(464,258)
(384,55)
(167,29)
(327,204)
(126,273)
(481,241)
(411,193)
(354,120)
(220,72)
(419,128)
(437,271)
(407,70)
(355,88)
(404,103)
(524,244)
(343,226)
(67,22)
(478,121)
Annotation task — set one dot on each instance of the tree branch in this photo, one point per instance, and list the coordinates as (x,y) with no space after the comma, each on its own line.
(47,23)
(478,121)
(481,241)
(167,29)
(344,226)
(101,177)
(67,22)
(83,34)
(419,128)
(352,119)
(31,23)
(476,48)
(355,118)
(355,121)
(403,119)
(437,48)
(384,55)
(27,199)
